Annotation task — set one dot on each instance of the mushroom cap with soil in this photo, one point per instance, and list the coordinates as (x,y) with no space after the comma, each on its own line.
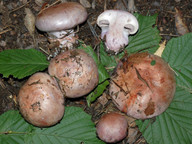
(76,72)
(143,85)
(41,102)
(116,26)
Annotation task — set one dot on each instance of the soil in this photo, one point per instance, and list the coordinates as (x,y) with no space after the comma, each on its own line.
(14,35)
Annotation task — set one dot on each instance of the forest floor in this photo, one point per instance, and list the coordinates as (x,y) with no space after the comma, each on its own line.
(15,35)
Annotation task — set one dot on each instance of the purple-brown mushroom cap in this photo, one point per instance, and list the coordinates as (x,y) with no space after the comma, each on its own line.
(61,17)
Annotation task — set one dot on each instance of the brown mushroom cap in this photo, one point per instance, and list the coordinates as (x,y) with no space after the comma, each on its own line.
(41,101)
(61,17)
(112,127)
(143,85)
(76,72)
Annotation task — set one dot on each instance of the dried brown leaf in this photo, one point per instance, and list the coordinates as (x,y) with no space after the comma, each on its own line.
(85,3)
(29,21)
(179,23)
(160,49)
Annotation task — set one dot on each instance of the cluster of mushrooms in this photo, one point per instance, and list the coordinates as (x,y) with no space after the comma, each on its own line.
(142,85)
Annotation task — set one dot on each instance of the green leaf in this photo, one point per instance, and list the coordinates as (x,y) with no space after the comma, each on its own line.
(21,63)
(174,126)
(103,74)
(97,92)
(147,37)
(12,128)
(76,127)
(178,53)
(153,62)
(106,59)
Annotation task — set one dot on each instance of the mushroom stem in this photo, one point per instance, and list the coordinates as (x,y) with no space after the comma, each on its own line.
(116,26)
(66,38)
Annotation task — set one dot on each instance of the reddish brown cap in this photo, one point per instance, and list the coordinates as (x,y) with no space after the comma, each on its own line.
(61,17)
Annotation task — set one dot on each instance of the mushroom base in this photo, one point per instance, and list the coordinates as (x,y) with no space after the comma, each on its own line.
(66,38)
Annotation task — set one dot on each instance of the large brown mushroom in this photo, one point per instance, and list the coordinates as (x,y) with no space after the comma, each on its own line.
(59,21)
(40,100)
(143,85)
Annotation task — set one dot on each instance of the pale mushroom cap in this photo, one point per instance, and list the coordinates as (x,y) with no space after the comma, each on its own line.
(116,26)
(61,17)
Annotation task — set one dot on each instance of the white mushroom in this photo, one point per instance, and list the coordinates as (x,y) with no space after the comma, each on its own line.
(116,26)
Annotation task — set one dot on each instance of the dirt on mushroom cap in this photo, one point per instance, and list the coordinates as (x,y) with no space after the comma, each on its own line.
(41,101)
(76,71)
(141,87)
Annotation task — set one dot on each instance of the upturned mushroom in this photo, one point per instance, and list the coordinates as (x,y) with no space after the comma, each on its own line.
(60,20)
(116,26)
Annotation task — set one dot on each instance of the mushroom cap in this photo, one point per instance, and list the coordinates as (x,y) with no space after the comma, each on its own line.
(61,17)
(41,100)
(76,72)
(116,26)
(143,85)
(112,127)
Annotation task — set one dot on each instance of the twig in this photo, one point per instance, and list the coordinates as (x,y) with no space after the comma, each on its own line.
(93,30)
(186,16)
(2,84)
(20,7)
(44,51)
(4,31)
(169,35)
(57,1)
(108,68)
(105,5)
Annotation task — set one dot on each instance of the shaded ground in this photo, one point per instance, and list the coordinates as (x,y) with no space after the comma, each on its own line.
(14,35)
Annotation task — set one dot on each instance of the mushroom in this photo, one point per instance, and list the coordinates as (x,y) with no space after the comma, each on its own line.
(76,72)
(59,20)
(143,85)
(41,101)
(116,26)
(112,127)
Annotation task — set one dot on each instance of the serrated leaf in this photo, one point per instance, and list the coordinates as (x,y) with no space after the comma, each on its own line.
(174,126)
(12,128)
(103,74)
(107,60)
(21,62)
(178,53)
(97,92)
(76,127)
(147,37)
